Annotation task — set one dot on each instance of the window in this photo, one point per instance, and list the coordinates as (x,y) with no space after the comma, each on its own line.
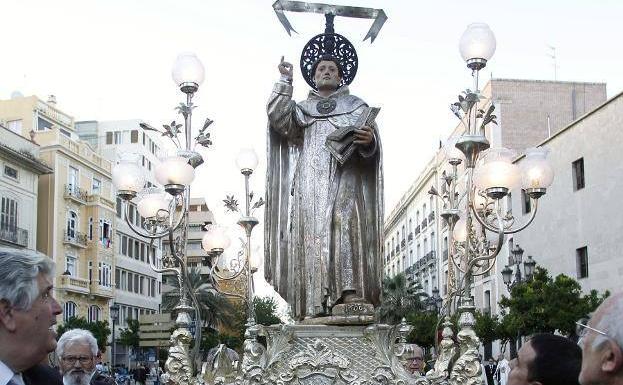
(96,188)
(141,285)
(130,281)
(8,214)
(118,207)
(487,304)
(72,177)
(509,203)
(134,136)
(90,271)
(105,275)
(526,204)
(109,137)
(71,265)
(582,261)
(69,311)
(117,137)
(43,125)
(90,228)
(117,278)
(94,313)
(136,288)
(124,245)
(72,223)
(124,280)
(15,126)
(10,172)
(578,174)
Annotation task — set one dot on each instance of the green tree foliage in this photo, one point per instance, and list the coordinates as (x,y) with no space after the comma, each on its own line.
(130,336)
(400,299)
(100,329)
(425,325)
(486,326)
(215,309)
(545,304)
(266,311)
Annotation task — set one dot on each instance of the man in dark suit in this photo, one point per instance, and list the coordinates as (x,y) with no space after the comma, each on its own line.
(490,368)
(27,317)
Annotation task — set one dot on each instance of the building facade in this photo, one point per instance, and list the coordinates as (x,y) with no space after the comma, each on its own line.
(138,287)
(528,112)
(19,188)
(75,207)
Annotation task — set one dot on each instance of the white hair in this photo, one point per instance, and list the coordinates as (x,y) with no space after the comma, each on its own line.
(611,311)
(19,270)
(74,336)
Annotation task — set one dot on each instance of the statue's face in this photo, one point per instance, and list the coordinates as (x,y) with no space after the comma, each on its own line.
(327,76)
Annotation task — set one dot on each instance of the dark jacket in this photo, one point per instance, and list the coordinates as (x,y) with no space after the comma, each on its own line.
(102,379)
(42,375)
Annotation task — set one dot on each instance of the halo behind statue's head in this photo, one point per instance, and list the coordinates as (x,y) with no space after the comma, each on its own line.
(333,47)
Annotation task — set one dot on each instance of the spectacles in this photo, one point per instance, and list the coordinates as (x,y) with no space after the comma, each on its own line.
(582,330)
(72,359)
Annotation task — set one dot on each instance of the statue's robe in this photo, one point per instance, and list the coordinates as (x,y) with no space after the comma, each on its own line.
(323,220)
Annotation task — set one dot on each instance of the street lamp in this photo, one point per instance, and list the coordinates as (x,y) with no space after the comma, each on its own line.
(114,315)
(516,259)
(433,303)
(471,197)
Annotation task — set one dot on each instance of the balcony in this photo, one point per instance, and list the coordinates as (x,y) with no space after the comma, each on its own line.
(103,247)
(101,290)
(431,217)
(76,193)
(14,235)
(445,255)
(431,257)
(424,223)
(403,243)
(410,237)
(76,238)
(417,230)
(77,285)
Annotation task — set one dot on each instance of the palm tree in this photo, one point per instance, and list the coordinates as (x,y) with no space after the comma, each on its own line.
(215,309)
(400,298)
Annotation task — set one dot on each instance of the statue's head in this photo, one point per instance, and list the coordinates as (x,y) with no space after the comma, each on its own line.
(327,73)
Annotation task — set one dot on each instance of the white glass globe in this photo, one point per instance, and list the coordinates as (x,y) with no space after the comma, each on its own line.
(175,170)
(496,169)
(188,69)
(450,149)
(459,233)
(246,159)
(537,172)
(127,175)
(477,42)
(152,202)
(215,238)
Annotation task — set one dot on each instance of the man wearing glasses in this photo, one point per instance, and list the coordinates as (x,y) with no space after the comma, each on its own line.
(77,351)
(414,359)
(27,317)
(601,340)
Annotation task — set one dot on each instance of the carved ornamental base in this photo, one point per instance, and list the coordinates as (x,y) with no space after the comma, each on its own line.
(325,355)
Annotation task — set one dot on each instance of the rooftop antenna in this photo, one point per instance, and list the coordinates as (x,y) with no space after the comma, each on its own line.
(552,54)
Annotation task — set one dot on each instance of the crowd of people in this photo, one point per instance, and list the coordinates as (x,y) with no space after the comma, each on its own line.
(28,314)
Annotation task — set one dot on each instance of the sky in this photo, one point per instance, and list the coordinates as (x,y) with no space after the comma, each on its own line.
(111,60)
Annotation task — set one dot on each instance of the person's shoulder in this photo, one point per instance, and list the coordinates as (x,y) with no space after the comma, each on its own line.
(42,374)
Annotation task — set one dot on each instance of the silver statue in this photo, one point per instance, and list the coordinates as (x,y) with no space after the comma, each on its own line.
(324,208)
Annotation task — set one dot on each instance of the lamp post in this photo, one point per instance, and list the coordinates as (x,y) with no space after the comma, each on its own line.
(472,195)
(114,316)
(515,259)
(166,213)
(433,303)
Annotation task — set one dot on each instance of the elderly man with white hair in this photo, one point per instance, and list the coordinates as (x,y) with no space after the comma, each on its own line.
(27,317)
(77,351)
(601,340)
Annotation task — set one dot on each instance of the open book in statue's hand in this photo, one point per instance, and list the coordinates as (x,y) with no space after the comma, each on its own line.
(340,142)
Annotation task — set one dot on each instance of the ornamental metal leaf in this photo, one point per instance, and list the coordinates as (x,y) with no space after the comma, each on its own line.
(147,127)
(487,117)
(185,109)
(231,204)
(206,124)
(204,140)
(258,204)
(172,129)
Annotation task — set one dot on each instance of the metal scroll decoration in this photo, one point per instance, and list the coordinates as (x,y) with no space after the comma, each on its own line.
(331,45)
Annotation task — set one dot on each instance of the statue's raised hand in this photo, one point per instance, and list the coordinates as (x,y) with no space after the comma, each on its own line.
(285,69)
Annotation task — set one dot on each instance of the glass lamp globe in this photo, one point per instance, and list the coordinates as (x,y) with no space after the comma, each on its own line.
(460,230)
(507,275)
(215,238)
(246,159)
(497,170)
(153,202)
(537,172)
(188,69)
(127,175)
(477,42)
(175,170)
